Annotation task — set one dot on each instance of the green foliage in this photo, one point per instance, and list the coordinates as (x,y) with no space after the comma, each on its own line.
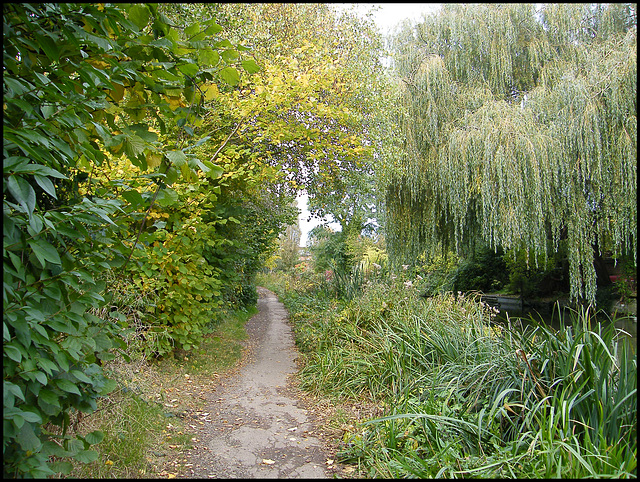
(346,257)
(255,215)
(541,276)
(289,241)
(520,126)
(188,289)
(626,285)
(485,270)
(438,274)
(465,397)
(201,253)
(311,111)
(131,426)
(84,85)
(348,284)
(328,249)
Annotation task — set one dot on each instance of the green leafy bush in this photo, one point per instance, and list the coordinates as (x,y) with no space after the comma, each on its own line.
(329,249)
(485,270)
(56,243)
(438,274)
(84,85)
(187,288)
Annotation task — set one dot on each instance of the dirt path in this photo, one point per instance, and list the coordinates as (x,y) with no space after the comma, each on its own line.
(257,426)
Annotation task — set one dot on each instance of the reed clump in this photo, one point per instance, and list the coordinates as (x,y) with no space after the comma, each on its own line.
(466,396)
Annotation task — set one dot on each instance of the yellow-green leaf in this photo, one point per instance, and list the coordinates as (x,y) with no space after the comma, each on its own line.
(177,158)
(210,92)
(139,15)
(250,66)
(230,75)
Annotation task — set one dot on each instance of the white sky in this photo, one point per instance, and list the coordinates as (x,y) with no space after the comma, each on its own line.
(388,16)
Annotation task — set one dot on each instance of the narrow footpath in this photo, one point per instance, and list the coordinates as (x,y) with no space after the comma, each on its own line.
(257,427)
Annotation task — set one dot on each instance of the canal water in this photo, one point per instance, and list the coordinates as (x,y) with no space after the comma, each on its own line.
(552,316)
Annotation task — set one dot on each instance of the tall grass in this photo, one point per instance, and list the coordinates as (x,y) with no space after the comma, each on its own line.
(348,284)
(467,397)
(537,403)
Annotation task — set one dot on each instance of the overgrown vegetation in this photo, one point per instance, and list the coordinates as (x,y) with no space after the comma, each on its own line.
(147,420)
(152,154)
(463,395)
(131,165)
(484,270)
(518,128)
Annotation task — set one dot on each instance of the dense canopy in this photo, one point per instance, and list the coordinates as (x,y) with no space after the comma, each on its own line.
(521,130)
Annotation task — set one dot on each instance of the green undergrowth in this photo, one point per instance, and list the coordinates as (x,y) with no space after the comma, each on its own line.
(465,395)
(144,421)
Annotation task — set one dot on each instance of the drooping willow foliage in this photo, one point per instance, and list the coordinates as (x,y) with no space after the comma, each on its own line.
(521,130)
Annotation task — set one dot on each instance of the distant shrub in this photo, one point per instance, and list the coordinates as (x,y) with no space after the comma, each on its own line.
(485,270)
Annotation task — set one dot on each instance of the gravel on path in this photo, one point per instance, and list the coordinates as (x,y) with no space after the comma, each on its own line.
(257,427)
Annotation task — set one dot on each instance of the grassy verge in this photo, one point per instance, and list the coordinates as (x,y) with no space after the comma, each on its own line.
(464,396)
(147,420)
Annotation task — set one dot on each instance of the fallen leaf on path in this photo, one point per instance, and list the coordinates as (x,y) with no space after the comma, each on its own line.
(268,461)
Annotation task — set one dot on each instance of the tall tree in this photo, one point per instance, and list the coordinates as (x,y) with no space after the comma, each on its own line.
(310,110)
(289,247)
(521,127)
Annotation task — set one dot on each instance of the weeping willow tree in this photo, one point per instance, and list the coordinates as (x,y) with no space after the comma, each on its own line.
(520,130)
